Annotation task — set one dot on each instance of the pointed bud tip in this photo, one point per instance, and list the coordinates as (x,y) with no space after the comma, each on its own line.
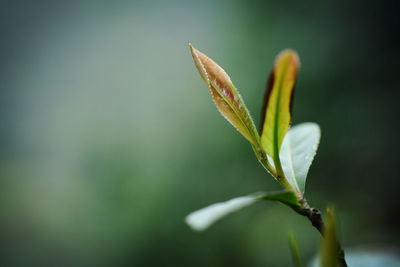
(329,212)
(192,49)
(289,53)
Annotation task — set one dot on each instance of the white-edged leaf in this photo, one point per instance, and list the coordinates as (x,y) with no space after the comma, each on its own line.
(203,218)
(297,153)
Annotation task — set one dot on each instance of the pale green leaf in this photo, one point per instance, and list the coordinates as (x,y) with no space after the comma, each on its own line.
(203,218)
(297,153)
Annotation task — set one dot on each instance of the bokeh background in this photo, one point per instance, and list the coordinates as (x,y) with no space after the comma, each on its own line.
(109,136)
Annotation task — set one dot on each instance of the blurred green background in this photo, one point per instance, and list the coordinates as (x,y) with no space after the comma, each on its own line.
(109,136)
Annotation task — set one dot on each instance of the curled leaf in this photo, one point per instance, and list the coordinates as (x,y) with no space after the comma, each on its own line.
(225,96)
(276,112)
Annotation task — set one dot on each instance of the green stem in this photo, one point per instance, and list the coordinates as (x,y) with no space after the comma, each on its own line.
(262,157)
(278,174)
(279,169)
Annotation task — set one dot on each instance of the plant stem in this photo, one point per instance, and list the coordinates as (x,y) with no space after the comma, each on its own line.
(314,215)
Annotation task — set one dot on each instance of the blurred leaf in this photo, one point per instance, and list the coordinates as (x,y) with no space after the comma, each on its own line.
(372,259)
(225,96)
(203,218)
(297,153)
(367,258)
(276,112)
(329,246)
(294,249)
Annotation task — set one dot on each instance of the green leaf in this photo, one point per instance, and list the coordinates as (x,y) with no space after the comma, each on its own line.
(329,245)
(225,96)
(297,153)
(203,218)
(294,249)
(276,112)
(286,197)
